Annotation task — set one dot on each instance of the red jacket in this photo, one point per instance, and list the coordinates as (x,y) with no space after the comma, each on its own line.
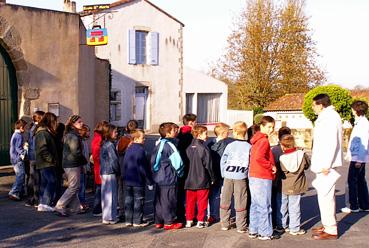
(261,158)
(95,149)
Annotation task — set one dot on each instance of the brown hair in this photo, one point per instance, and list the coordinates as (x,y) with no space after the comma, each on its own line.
(20,123)
(283,131)
(288,141)
(131,126)
(71,120)
(266,119)
(37,116)
(106,132)
(361,107)
(50,121)
(188,117)
(220,128)
(137,133)
(240,128)
(165,128)
(99,126)
(197,130)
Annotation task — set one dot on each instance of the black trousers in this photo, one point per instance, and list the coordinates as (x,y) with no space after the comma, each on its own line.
(165,204)
(33,178)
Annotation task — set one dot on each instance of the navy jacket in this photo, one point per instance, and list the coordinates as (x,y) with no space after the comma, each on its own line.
(136,167)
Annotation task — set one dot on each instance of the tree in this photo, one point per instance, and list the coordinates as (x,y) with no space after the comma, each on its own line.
(270,53)
(340,98)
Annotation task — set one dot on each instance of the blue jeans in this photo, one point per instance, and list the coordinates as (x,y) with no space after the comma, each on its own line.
(134,204)
(289,208)
(18,186)
(358,189)
(214,201)
(260,209)
(47,186)
(109,197)
(82,189)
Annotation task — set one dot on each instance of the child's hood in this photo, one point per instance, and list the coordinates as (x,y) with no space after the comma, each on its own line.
(258,136)
(186,129)
(292,161)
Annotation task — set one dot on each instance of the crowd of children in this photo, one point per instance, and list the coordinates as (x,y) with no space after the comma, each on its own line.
(195,177)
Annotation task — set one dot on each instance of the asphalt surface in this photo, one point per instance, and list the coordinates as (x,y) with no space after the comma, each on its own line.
(22,226)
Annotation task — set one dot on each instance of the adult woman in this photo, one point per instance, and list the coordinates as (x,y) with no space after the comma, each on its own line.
(46,160)
(73,159)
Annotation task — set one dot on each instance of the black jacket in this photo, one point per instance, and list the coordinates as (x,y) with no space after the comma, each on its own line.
(45,149)
(72,150)
(200,174)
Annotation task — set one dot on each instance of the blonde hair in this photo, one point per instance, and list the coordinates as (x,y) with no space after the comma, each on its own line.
(220,128)
(288,141)
(137,133)
(197,130)
(240,128)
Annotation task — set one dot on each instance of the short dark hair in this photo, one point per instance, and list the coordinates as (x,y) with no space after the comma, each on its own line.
(288,141)
(322,99)
(197,130)
(283,131)
(37,116)
(131,126)
(361,107)
(20,123)
(188,117)
(165,128)
(266,119)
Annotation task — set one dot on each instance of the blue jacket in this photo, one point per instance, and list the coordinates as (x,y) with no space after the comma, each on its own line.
(109,161)
(167,165)
(31,142)
(16,147)
(235,160)
(136,167)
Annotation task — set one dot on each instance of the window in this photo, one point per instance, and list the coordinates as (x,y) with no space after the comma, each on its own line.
(208,107)
(189,102)
(115,105)
(143,47)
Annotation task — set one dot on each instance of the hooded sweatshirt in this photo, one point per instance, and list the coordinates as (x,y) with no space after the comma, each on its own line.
(293,164)
(261,158)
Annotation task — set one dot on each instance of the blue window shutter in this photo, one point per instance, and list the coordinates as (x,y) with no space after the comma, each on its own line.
(154,49)
(131,46)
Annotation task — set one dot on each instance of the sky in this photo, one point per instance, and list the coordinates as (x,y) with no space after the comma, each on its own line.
(339,28)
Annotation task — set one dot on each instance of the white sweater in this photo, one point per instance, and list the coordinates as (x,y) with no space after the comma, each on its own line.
(358,145)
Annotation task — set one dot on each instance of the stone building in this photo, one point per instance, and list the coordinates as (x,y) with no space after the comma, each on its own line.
(46,65)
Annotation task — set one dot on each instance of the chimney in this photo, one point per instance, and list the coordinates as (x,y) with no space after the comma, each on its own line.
(69,6)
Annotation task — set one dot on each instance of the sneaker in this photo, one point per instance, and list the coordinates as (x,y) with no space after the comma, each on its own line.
(110,222)
(299,232)
(280,229)
(29,203)
(224,228)
(348,210)
(143,224)
(242,230)
(253,235)
(173,226)
(158,226)
(128,224)
(211,220)
(189,223)
(60,212)
(44,208)
(364,210)
(14,197)
(265,238)
(200,224)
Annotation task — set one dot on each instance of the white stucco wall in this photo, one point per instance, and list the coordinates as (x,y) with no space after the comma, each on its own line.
(293,119)
(163,80)
(197,82)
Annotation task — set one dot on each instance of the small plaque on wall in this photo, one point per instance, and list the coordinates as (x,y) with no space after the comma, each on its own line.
(54,108)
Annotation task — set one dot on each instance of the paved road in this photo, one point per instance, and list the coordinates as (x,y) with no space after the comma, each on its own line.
(22,226)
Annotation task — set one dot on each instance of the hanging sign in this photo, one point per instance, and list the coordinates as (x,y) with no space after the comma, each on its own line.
(97,36)
(92,8)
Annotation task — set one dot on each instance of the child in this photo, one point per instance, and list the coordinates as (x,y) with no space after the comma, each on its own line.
(109,168)
(17,155)
(184,140)
(200,177)
(293,163)
(277,184)
(234,169)
(85,135)
(261,174)
(358,155)
(217,147)
(136,175)
(167,167)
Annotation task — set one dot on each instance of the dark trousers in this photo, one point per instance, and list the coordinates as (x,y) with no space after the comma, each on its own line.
(59,185)
(97,201)
(358,189)
(120,197)
(181,200)
(48,185)
(82,189)
(134,204)
(165,204)
(33,184)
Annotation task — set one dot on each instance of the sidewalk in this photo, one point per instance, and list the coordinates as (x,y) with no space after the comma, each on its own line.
(22,226)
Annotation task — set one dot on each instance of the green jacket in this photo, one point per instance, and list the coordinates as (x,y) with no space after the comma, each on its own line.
(73,150)
(45,149)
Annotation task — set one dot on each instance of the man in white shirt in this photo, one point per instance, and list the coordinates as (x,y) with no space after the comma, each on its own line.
(326,155)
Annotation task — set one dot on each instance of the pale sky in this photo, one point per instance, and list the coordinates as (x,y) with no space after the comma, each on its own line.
(339,29)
